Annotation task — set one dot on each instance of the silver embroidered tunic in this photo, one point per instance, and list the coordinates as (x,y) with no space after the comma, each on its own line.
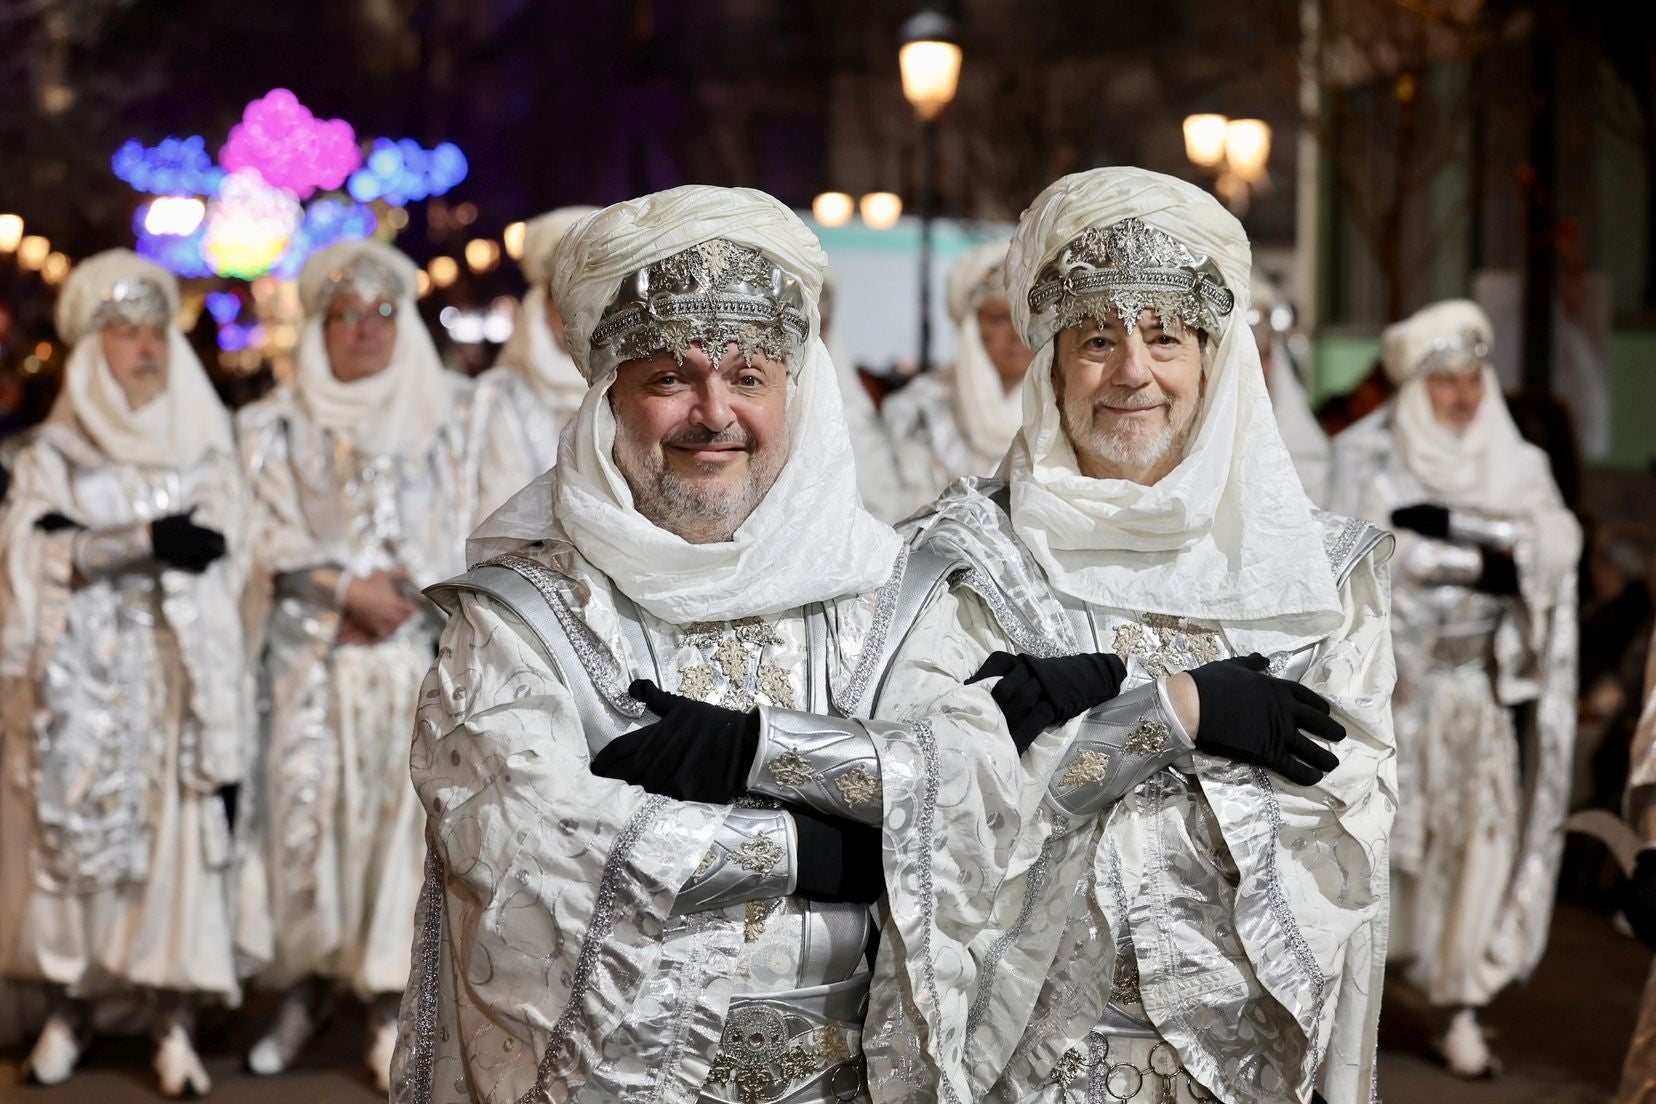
(557,957)
(341,834)
(127,714)
(1476,847)
(1223,930)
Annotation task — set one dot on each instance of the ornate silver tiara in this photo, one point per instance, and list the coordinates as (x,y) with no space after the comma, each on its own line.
(1127,268)
(992,285)
(1467,343)
(133,300)
(367,277)
(716,293)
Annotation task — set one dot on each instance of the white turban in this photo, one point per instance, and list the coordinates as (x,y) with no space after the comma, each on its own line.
(177,427)
(988,416)
(1488,466)
(396,411)
(541,236)
(808,541)
(1228,535)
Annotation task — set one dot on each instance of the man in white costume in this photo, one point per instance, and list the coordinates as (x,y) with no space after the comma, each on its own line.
(534,388)
(956,423)
(1485,601)
(358,468)
(1216,871)
(128,714)
(693,601)
(1307,443)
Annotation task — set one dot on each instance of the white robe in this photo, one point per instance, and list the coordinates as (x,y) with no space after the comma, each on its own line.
(128,714)
(931,448)
(341,836)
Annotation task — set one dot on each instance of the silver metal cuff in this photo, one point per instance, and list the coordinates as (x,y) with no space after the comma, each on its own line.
(824,763)
(313,587)
(753,857)
(1120,744)
(1433,561)
(100,553)
(1467,528)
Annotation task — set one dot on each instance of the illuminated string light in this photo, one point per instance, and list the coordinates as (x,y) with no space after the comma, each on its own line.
(174,215)
(248,226)
(177,166)
(403,171)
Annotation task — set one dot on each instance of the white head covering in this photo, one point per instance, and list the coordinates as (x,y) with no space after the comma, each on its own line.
(399,410)
(1228,534)
(1489,466)
(989,416)
(810,539)
(177,427)
(533,351)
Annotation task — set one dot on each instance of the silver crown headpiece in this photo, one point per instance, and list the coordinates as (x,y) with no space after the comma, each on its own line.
(134,300)
(1445,353)
(1127,268)
(366,277)
(716,293)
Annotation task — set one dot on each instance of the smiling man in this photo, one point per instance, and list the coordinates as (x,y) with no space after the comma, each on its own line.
(1215,657)
(1486,665)
(655,822)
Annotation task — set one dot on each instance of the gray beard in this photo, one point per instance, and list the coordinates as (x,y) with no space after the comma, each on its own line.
(700,515)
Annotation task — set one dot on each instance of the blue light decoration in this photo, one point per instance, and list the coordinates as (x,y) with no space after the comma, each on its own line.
(326,221)
(177,166)
(224,306)
(403,171)
(394,172)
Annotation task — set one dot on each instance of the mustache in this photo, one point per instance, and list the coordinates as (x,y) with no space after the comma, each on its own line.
(1130,400)
(702,437)
(147,367)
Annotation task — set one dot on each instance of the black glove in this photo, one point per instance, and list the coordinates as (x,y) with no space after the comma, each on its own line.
(182,543)
(1639,898)
(231,796)
(54,521)
(839,860)
(696,752)
(1499,574)
(1034,693)
(1253,718)
(1425,518)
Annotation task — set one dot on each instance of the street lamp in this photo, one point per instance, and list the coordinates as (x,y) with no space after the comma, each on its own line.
(1235,149)
(929,58)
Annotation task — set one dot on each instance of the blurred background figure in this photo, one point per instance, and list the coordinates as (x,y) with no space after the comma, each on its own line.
(956,423)
(877,478)
(1272,320)
(128,706)
(534,388)
(362,497)
(1483,606)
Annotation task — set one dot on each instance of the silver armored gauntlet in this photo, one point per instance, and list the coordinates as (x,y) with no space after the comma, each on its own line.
(1491,532)
(1120,744)
(100,553)
(824,763)
(752,858)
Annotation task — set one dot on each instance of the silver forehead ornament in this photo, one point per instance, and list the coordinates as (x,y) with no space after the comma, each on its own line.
(716,293)
(366,277)
(1126,268)
(134,300)
(1445,353)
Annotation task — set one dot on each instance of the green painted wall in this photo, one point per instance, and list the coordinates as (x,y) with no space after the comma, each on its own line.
(1339,362)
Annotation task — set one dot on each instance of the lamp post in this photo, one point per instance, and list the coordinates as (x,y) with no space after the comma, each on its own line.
(1237,150)
(929,58)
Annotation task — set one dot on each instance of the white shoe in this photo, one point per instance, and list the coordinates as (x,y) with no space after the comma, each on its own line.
(381,1045)
(55,1053)
(179,1066)
(1464,1048)
(297,1022)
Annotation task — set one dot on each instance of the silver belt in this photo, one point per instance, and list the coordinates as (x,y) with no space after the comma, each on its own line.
(802,1046)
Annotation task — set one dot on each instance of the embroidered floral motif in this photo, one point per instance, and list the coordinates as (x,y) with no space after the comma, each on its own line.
(732,673)
(792,769)
(1069,1064)
(758,913)
(775,685)
(1087,768)
(1124,982)
(858,787)
(758,855)
(756,1057)
(1147,738)
(697,682)
(1167,645)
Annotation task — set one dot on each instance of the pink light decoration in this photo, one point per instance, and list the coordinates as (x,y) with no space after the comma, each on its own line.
(292,149)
